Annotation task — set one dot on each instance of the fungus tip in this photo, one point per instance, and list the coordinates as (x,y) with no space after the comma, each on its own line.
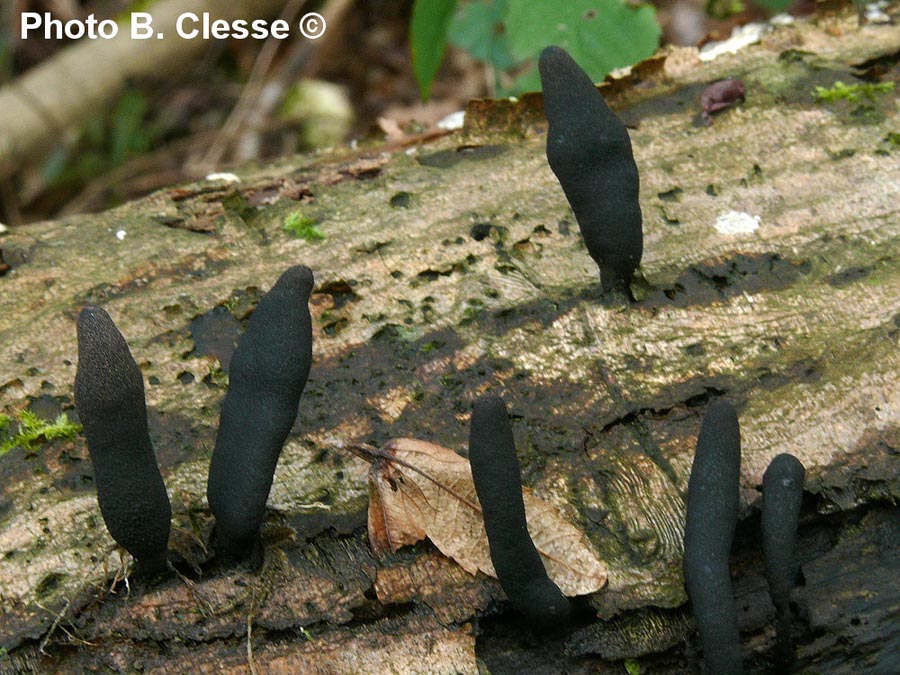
(109,397)
(782,499)
(589,150)
(712,509)
(267,375)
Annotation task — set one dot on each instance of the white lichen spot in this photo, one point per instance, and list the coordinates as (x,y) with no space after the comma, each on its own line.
(120,234)
(3,229)
(782,20)
(736,222)
(453,121)
(227,177)
(741,36)
(875,12)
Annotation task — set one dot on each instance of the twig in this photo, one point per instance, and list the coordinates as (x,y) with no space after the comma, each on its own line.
(72,637)
(250,661)
(54,625)
(206,608)
(253,106)
(300,51)
(252,89)
(59,616)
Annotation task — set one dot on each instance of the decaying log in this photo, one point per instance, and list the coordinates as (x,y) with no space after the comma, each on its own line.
(451,270)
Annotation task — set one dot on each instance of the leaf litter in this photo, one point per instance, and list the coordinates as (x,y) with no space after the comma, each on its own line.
(418,489)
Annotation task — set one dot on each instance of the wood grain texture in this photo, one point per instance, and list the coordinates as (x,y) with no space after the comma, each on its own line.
(413,317)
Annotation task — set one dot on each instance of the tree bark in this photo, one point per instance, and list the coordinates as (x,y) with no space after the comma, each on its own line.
(454,269)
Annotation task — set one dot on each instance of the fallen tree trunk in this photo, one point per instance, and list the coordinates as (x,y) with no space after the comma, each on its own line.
(451,270)
(58,96)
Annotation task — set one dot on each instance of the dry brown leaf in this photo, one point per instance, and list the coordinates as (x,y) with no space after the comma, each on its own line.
(418,489)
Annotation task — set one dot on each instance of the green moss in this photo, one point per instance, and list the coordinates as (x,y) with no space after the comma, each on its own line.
(231,303)
(722,9)
(852,92)
(429,347)
(302,227)
(404,333)
(32,430)
(418,392)
(236,205)
(218,378)
(469,314)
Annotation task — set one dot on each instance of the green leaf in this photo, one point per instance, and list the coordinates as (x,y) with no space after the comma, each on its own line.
(601,35)
(632,667)
(478,28)
(427,38)
(773,5)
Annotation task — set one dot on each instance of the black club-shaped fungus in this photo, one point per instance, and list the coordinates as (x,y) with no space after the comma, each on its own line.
(782,496)
(109,396)
(267,374)
(712,510)
(590,152)
(498,483)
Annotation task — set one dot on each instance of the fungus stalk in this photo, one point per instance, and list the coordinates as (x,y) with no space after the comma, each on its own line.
(782,496)
(109,396)
(498,483)
(590,152)
(267,375)
(712,510)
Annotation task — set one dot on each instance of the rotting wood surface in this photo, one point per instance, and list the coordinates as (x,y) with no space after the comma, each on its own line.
(455,269)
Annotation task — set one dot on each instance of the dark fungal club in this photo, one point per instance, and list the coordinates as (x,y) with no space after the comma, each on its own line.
(498,483)
(712,510)
(589,151)
(109,396)
(267,374)
(782,496)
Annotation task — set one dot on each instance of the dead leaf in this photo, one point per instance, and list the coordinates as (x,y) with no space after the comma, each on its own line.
(418,489)
(390,128)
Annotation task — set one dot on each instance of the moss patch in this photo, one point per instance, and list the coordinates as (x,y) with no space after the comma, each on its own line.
(852,92)
(32,430)
(302,227)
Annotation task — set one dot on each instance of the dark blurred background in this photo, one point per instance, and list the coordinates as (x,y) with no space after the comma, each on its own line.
(238,101)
